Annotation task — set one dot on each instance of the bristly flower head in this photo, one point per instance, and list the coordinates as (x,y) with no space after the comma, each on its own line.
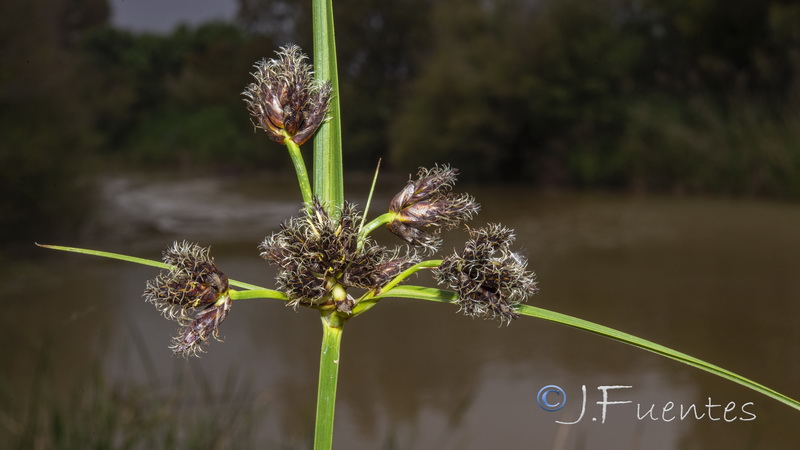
(286,100)
(320,256)
(490,279)
(426,206)
(194,293)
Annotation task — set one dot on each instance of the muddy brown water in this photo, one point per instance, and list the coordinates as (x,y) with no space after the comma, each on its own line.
(718,279)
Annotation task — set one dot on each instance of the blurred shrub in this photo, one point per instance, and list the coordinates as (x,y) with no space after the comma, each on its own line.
(178,97)
(608,93)
(744,148)
(46,131)
(508,90)
(91,411)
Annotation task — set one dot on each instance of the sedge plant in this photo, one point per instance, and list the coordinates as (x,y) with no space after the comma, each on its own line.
(326,257)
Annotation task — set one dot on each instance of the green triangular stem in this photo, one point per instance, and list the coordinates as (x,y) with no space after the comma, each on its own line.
(328,177)
(332,325)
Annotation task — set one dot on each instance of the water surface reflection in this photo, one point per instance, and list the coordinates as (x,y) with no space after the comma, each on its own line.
(714,278)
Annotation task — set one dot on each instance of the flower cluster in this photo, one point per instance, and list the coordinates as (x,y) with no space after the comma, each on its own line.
(426,205)
(320,256)
(489,278)
(194,293)
(325,251)
(285,100)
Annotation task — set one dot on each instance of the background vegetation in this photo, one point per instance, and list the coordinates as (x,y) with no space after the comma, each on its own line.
(92,411)
(663,95)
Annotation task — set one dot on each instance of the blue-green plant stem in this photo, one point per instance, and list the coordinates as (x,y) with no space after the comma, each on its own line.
(328,178)
(300,168)
(444,296)
(332,325)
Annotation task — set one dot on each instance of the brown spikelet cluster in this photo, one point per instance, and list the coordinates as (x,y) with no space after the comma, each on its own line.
(427,205)
(285,100)
(194,293)
(489,278)
(317,252)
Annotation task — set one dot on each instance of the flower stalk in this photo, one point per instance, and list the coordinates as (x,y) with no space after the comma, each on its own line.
(377,222)
(289,104)
(300,169)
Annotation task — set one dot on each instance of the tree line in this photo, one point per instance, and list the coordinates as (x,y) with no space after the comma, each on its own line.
(662,95)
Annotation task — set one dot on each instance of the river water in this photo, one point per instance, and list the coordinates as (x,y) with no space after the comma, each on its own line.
(718,279)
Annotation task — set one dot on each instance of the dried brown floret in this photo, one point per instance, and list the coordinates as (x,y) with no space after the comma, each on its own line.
(286,100)
(490,279)
(192,292)
(426,205)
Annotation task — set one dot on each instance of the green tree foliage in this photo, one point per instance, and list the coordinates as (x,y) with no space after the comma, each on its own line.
(380,48)
(593,93)
(651,94)
(747,149)
(509,88)
(719,100)
(721,46)
(175,99)
(45,126)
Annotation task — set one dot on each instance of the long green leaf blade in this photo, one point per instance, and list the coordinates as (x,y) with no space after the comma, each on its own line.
(121,257)
(149,262)
(655,348)
(443,296)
